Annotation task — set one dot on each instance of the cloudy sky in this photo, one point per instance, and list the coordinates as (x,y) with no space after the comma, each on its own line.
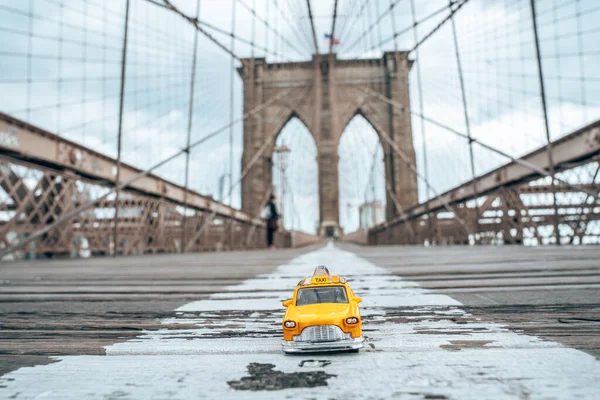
(60,70)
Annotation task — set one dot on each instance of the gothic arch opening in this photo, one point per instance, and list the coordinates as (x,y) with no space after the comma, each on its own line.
(295,177)
(362,190)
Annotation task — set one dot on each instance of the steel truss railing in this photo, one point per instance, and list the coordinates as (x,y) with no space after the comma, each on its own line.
(515,205)
(72,192)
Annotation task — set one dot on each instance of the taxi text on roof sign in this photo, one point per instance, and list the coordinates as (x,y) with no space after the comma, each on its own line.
(316,280)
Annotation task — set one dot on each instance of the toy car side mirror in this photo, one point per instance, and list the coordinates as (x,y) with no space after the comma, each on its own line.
(286,303)
(358,299)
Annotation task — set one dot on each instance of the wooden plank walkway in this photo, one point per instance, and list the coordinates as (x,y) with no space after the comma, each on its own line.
(197,309)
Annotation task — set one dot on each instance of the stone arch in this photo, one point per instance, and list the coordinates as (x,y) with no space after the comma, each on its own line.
(401,187)
(302,211)
(359,112)
(360,147)
(293,114)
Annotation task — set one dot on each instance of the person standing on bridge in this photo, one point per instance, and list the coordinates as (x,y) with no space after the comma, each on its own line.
(271,216)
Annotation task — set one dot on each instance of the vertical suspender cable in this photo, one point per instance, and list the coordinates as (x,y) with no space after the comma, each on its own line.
(253,28)
(581,58)
(276,38)
(467,121)
(231,100)
(189,133)
(378,25)
(120,132)
(393,19)
(266,29)
(312,27)
(334,19)
(545,111)
(423,135)
(29,58)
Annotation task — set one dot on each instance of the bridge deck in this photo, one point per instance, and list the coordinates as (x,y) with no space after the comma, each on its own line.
(96,307)
(66,307)
(541,291)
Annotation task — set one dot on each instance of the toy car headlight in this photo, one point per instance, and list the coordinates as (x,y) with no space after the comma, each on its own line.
(289,324)
(351,320)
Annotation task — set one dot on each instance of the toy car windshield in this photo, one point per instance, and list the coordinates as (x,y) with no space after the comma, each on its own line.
(330,294)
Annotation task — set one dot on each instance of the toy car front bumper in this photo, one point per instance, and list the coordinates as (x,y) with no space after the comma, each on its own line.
(313,347)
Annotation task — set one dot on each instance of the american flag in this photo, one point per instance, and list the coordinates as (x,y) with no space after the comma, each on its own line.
(332,39)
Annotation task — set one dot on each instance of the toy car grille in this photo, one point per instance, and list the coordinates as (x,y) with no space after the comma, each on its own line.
(321,333)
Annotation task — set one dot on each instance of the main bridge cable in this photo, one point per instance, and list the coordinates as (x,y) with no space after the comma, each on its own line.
(124,184)
(243,40)
(312,26)
(410,165)
(275,3)
(248,167)
(297,9)
(268,26)
(439,26)
(521,162)
(378,20)
(167,4)
(352,18)
(460,3)
(333,20)
(348,16)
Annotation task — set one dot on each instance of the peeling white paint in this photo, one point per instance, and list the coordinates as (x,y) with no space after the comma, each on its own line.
(417,346)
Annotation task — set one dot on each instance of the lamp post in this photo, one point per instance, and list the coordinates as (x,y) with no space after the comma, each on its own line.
(283,154)
(222,185)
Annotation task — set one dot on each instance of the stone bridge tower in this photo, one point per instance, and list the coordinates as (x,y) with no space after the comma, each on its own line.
(325,94)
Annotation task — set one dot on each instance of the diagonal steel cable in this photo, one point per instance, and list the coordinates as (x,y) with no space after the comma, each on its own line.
(385,136)
(269,26)
(167,4)
(245,171)
(521,162)
(124,184)
(312,26)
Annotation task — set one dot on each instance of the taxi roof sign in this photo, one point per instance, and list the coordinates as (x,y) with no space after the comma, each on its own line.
(321,275)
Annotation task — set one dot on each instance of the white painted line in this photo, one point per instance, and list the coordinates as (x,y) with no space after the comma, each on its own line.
(419,344)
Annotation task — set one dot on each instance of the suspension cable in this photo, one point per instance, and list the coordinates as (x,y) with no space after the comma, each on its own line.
(167,4)
(124,184)
(246,169)
(521,162)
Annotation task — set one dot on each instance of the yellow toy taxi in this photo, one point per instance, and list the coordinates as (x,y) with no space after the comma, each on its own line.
(323,315)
